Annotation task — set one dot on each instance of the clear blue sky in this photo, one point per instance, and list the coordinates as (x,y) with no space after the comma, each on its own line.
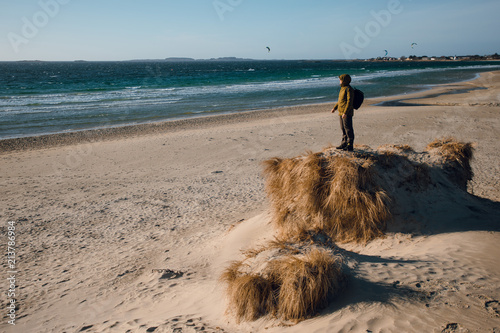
(293,29)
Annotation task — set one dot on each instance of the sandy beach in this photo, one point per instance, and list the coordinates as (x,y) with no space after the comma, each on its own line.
(128,230)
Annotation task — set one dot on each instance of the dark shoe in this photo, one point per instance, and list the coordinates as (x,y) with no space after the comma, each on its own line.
(342,146)
(348,148)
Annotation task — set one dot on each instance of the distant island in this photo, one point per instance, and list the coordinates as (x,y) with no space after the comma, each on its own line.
(491,57)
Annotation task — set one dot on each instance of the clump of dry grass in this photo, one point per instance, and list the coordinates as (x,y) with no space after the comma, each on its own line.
(401,147)
(355,207)
(295,186)
(333,193)
(404,147)
(457,156)
(250,295)
(305,283)
(288,281)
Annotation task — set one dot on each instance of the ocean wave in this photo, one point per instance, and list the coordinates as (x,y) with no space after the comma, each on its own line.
(307,98)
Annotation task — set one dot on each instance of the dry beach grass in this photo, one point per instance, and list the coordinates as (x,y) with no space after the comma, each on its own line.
(290,286)
(335,194)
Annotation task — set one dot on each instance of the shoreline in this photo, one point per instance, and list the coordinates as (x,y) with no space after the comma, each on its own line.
(166,126)
(121,131)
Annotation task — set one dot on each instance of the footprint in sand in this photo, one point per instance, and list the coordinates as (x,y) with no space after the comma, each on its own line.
(181,324)
(493,307)
(454,328)
(170,274)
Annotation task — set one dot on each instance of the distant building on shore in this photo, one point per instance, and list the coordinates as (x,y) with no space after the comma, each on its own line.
(441,58)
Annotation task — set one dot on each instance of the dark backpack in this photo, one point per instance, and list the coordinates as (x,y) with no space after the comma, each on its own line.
(359,97)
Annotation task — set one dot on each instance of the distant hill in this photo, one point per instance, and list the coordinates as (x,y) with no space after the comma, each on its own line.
(179,59)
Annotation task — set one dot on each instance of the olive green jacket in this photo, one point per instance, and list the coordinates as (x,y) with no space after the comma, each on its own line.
(346,98)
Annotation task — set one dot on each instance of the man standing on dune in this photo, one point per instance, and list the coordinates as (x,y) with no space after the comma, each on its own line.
(346,112)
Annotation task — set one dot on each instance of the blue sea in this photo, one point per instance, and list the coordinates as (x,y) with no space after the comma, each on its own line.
(52,97)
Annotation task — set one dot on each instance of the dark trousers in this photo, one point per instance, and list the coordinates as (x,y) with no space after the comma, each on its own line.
(347,130)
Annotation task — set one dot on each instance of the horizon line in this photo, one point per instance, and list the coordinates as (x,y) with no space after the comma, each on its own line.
(229,58)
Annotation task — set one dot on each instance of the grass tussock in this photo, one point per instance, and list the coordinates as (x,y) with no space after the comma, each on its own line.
(404,147)
(457,156)
(355,208)
(452,149)
(336,194)
(293,285)
(305,283)
(250,295)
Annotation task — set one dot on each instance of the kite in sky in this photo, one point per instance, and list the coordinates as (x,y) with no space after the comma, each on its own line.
(413,44)
(268,49)
(386,52)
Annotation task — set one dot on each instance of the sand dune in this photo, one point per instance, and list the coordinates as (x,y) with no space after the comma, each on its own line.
(131,232)
(319,198)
